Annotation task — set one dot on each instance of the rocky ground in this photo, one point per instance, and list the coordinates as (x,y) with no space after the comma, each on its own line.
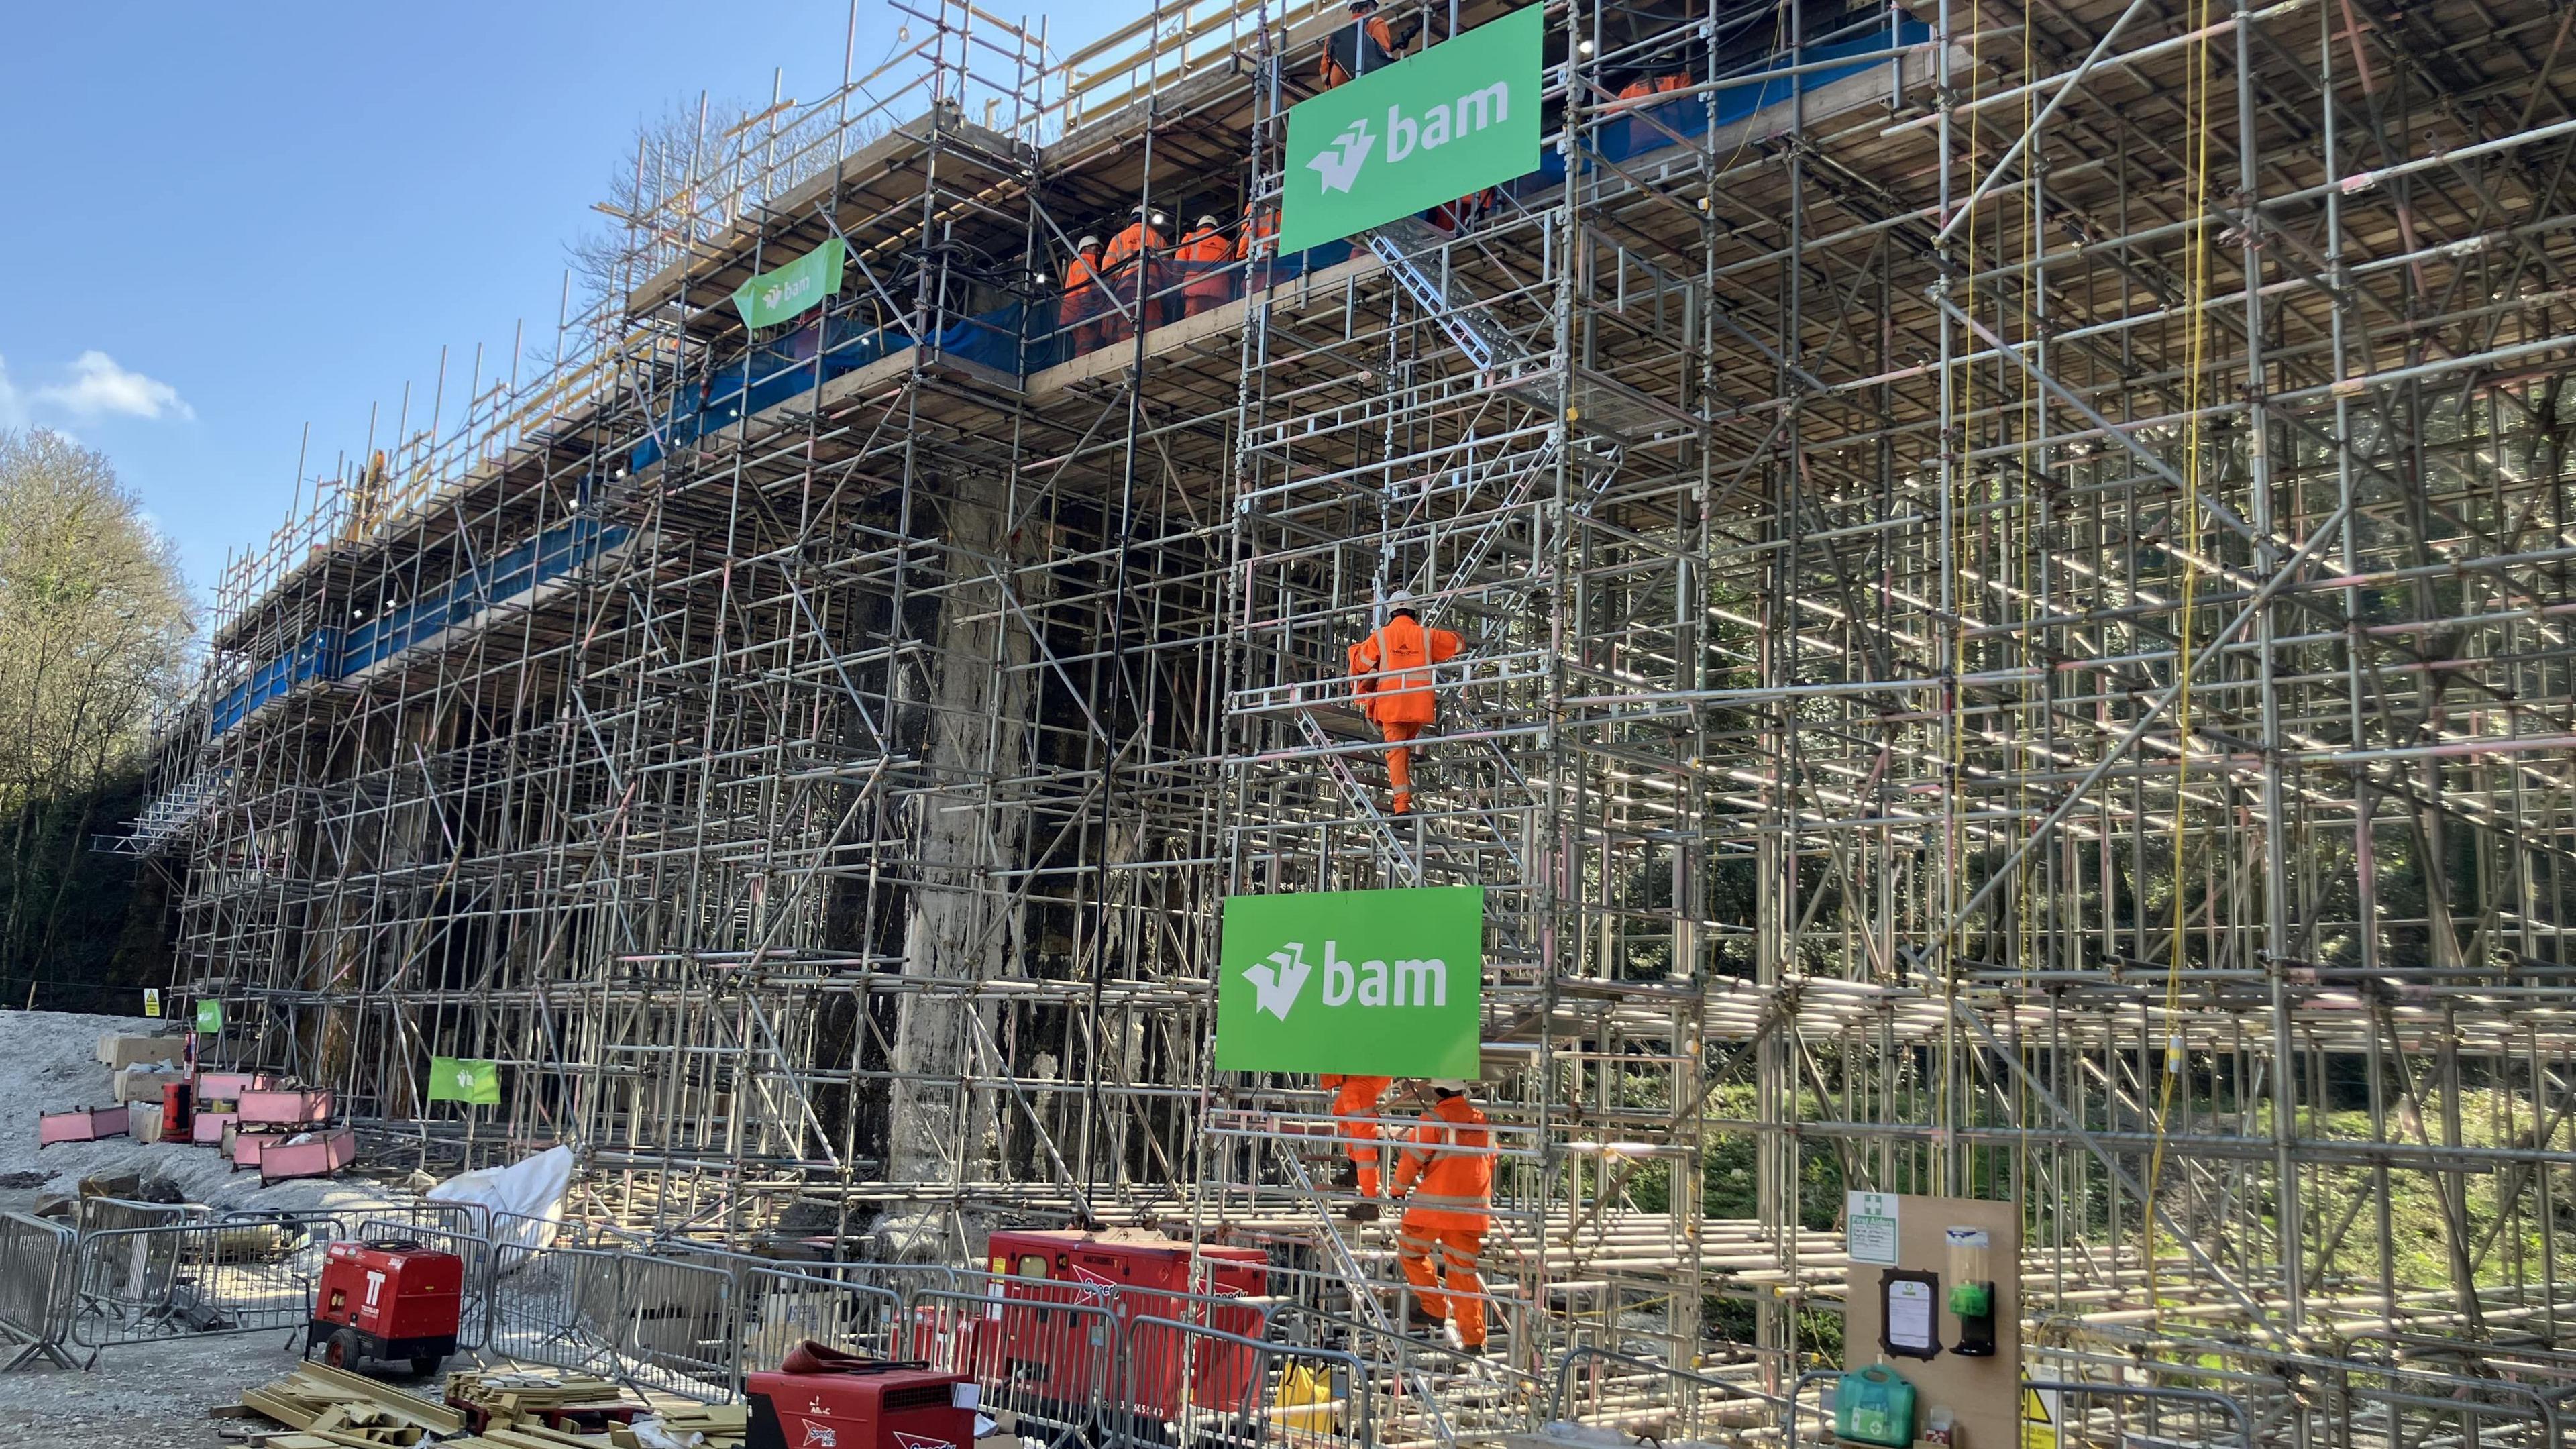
(148,1396)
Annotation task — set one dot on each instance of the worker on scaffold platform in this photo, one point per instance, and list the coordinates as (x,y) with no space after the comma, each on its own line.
(1445,1179)
(1356,49)
(1392,667)
(1355,1107)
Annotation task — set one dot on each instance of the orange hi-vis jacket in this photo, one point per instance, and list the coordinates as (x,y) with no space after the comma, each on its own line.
(1343,50)
(1260,225)
(1395,687)
(1447,1155)
(1203,255)
(1124,247)
(1205,245)
(1080,301)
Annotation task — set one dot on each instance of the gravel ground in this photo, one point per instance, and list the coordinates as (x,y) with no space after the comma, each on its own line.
(148,1396)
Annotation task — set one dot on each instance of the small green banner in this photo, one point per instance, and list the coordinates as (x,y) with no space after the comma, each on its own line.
(465,1079)
(210,1016)
(1382,982)
(773,297)
(1460,116)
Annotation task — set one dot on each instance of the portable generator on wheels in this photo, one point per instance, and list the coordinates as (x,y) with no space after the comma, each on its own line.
(391,1300)
(823,1398)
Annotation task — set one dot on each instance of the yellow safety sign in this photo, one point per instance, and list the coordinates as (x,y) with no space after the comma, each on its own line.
(2039,1419)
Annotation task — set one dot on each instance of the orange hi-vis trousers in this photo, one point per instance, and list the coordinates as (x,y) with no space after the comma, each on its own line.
(1464,1304)
(1399,762)
(1355,1104)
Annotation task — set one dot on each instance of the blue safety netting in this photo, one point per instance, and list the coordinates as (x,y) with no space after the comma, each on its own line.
(336,653)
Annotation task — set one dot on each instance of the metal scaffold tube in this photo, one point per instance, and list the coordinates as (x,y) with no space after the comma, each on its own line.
(2014,570)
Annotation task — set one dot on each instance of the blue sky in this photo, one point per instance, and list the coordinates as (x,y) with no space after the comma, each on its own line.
(221,222)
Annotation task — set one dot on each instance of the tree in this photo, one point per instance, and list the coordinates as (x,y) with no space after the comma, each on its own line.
(95,628)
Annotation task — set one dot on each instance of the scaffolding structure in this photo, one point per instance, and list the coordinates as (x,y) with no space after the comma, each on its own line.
(2016,569)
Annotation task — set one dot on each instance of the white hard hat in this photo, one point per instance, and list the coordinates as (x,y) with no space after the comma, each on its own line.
(1086,243)
(1448,1084)
(1399,596)
(1206,221)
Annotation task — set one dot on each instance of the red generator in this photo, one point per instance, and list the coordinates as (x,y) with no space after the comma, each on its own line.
(862,1405)
(392,1300)
(1130,1275)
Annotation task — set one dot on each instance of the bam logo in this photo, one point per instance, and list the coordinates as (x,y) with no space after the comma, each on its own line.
(1473,112)
(1280,980)
(1277,981)
(1422,982)
(1342,981)
(1339,163)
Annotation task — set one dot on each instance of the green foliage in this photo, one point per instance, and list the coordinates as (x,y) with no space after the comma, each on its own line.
(95,625)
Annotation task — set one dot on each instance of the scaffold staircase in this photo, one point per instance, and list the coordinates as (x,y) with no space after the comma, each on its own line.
(1420,257)
(168,816)
(1355,1286)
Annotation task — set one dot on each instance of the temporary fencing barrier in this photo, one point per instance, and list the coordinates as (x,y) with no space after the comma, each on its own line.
(1188,1384)
(779,1308)
(650,1322)
(131,1285)
(1050,1363)
(1642,1398)
(2084,1414)
(33,1255)
(102,1214)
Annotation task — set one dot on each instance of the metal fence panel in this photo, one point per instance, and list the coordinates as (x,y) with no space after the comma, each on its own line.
(132,1285)
(647,1322)
(1053,1364)
(34,1256)
(1643,1398)
(779,1309)
(1187,1384)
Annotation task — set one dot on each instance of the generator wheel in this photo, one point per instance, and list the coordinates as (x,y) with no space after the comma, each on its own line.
(427,1364)
(341,1350)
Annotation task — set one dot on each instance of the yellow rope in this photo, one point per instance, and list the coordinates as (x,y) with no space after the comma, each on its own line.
(2196,290)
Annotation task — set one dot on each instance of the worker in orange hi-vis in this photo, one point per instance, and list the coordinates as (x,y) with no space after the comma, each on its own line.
(1445,1179)
(1258,246)
(1392,667)
(1355,1106)
(1358,48)
(1204,254)
(1129,266)
(1082,300)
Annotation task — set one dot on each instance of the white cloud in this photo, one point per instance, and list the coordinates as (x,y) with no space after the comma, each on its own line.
(99,388)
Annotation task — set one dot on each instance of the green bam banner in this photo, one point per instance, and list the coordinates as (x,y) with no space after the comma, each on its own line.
(1381,982)
(210,1016)
(776,296)
(465,1079)
(1458,117)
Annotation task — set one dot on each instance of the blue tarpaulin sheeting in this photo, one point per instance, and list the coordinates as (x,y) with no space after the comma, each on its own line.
(336,654)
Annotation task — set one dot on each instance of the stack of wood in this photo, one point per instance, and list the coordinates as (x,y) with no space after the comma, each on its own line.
(327,1408)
